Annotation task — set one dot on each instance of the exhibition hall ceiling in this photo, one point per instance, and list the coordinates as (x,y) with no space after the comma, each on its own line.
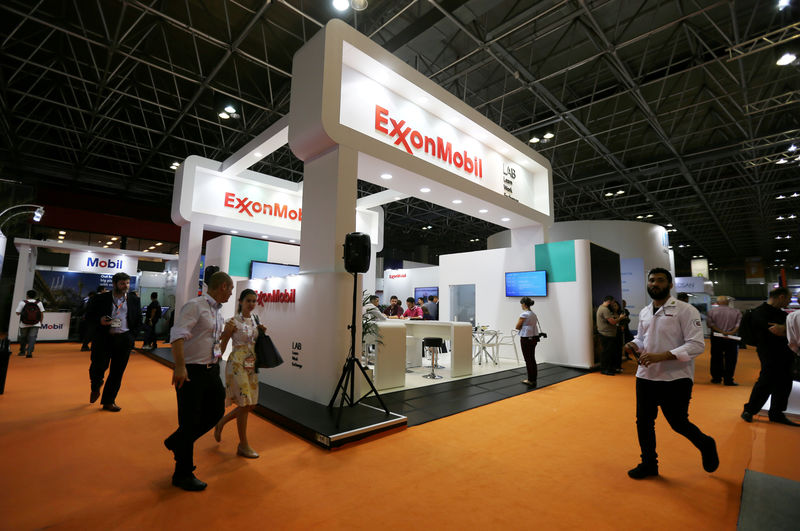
(666,111)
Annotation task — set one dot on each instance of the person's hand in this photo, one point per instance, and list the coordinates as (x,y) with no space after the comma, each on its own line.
(262,328)
(631,349)
(777,329)
(179,376)
(648,358)
(230,328)
(105,320)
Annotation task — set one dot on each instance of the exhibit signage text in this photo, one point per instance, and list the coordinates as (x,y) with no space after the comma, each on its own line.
(245,206)
(408,138)
(276,295)
(89,262)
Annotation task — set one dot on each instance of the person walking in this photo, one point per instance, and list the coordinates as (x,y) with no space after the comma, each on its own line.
(31,314)
(241,379)
(196,349)
(723,321)
(153,313)
(670,336)
(116,317)
(528,326)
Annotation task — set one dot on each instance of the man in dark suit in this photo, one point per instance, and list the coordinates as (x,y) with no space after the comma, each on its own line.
(116,316)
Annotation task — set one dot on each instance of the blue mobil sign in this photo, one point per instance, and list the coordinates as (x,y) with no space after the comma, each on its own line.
(90,262)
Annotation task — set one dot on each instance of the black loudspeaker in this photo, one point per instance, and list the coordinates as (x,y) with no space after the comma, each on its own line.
(356,252)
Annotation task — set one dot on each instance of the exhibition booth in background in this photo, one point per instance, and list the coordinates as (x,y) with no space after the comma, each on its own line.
(358,112)
(63,288)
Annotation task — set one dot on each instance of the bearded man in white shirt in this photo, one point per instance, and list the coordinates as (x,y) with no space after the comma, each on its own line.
(670,336)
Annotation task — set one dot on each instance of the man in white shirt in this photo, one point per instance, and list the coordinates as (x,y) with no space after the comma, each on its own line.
(670,336)
(724,351)
(31,314)
(371,309)
(195,339)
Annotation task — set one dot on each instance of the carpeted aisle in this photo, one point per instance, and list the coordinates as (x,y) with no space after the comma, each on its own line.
(552,459)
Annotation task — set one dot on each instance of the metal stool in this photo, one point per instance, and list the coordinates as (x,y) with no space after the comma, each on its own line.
(435,346)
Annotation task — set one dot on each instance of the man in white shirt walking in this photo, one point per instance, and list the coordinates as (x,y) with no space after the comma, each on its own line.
(31,313)
(670,336)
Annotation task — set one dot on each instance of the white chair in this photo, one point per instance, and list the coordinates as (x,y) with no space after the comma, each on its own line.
(509,340)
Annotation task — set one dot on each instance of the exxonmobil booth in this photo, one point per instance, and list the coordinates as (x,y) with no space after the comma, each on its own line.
(358,112)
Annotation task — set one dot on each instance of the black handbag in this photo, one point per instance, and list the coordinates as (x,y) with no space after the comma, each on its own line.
(267,356)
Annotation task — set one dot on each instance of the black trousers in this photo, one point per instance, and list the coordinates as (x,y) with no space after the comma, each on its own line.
(724,354)
(201,403)
(113,350)
(528,345)
(774,379)
(150,333)
(610,356)
(673,398)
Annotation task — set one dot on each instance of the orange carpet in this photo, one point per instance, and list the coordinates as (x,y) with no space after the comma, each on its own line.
(552,459)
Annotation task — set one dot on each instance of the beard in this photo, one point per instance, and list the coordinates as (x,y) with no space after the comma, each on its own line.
(658,294)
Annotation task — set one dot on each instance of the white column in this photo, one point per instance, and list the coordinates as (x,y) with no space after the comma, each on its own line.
(26,267)
(329,207)
(191,247)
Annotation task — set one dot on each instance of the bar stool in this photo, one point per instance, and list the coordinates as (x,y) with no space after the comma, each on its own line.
(435,346)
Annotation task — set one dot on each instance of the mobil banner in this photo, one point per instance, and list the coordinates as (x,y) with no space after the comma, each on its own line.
(55,326)
(91,262)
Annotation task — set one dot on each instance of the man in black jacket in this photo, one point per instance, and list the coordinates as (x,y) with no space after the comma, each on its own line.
(116,317)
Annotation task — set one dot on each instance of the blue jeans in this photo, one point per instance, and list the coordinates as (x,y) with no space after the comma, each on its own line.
(27,339)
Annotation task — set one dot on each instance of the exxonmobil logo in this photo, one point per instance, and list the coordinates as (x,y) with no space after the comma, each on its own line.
(276,295)
(46,326)
(110,264)
(412,140)
(245,206)
(398,275)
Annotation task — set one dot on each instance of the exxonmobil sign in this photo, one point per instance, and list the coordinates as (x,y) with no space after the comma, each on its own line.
(398,275)
(276,295)
(414,141)
(253,208)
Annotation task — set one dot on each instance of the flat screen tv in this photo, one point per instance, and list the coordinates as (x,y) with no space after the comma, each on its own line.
(526,284)
(425,292)
(270,269)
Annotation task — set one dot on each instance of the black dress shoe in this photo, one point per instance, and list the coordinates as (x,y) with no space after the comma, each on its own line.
(731,383)
(189,482)
(783,420)
(85,349)
(93,396)
(716,380)
(747,416)
(111,407)
(710,456)
(642,471)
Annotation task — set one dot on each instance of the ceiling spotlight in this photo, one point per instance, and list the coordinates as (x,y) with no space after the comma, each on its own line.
(358,5)
(62,241)
(430,227)
(457,201)
(781,197)
(792,216)
(649,216)
(549,135)
(60,237)
(109,243)
(38,213)
(669,224)
(778,238)
(291,241)
(505,219)
(159,244)
(783,3)
(62,232)
(786,59)
(152,247)
(795,195)
(620,192)
(639,217)
(534,140)
(234,232)
(782,161)
(105,247)
(424,190)
(146,251)
(609,194)
(224,115)
(483,211)
(230,109)
(787,237)
(792,148)
(780,218)
(340,5)
(681,246)
(386,176)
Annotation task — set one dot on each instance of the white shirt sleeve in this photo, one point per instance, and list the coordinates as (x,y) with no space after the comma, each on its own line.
(692,328)
(793,330)
(185,322)
(20,306)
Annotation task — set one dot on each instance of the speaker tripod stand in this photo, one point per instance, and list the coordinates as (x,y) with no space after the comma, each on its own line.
(346,383)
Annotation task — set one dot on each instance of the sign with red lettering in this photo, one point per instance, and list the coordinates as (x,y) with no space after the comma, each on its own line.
(252,208)
(398,275)
(276,295)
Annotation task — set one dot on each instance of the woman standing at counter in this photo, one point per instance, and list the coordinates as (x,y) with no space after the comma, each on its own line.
(241,380)
(528,326)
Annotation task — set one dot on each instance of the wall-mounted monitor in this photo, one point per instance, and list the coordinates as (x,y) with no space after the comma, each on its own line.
(526,284)
(425,292)
(270,269)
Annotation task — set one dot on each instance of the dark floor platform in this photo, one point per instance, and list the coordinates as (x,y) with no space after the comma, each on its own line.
(424,404)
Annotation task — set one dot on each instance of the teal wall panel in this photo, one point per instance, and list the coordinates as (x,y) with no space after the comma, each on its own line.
(558,259)
(243,250)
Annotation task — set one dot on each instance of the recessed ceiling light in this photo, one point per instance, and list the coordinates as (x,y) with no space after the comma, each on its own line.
(152,247)
(60,241)
(341,5)
(105,247)
(669,224)
(386,176)
(505,219)
(639,217)
(620,192)
(649,216)
(397,198)
(483,211)
(535,140)
(258,154)
(781,197)
(109,243)
(264,236)
(62,232)
(430,227)
(609,194)
(60,237)
(224,115)
(780,218)
(291,241)
(424,190)
(113,238)
(234,232)
(795,195)
(457,201)
(159,244)
(548,135)
(230,109)
(786,59)
(146,251)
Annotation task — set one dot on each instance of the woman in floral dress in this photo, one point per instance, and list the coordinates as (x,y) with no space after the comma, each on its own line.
(241,380)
